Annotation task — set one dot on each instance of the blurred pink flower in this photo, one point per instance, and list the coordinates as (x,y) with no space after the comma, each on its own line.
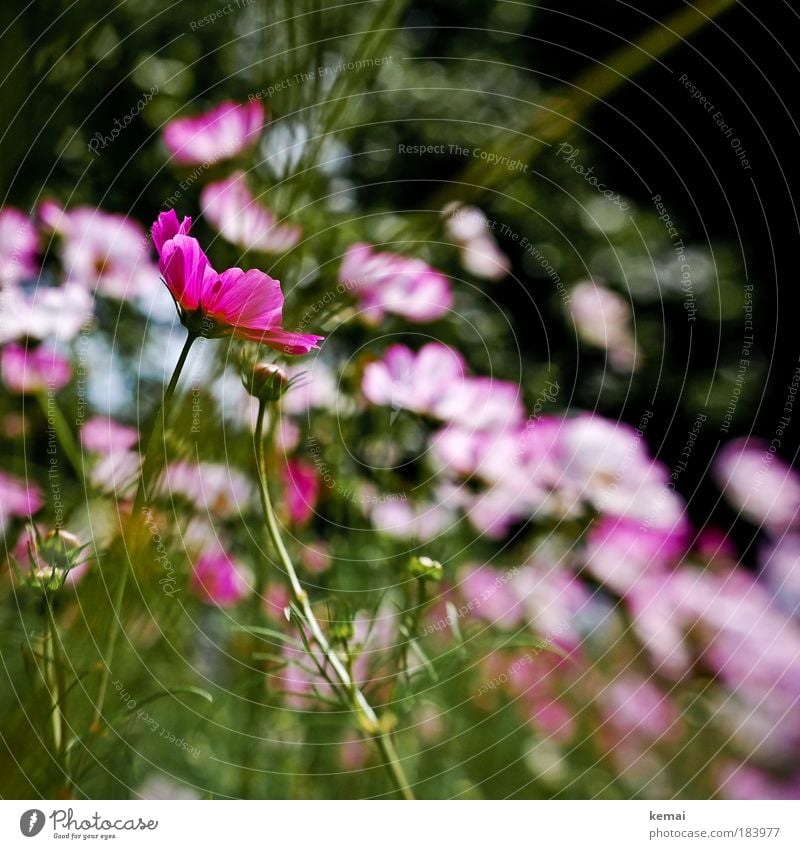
(780,565)
(117,473)
(19,246)
(104,252)
(743,782)
(468,227)
(244,304)
(391,283)
(238,217)
(214,488)
(312,387)
(17,498)
(399,518)
(405,380)
(28,371)
(301,483)
(482,403)
(759,483)
(433,382)
(634,705)
(619,551)
(218,579)
(603,319)
(606,464)
(218,134)
(48,312)
(101,435)
(490,595)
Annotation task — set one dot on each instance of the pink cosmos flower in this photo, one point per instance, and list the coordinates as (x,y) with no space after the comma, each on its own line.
(301,490)
(606,464)
(218,579)
(48,312)
(780,564)
(212,487)
(17,498)
(28,371)
(620,551)
(19,245)
(399,518)
(313,387)
(105,436)
(491,595)
(468,227)
(603,319)
(218,134)
(433,382)
(238,217)
(634,705)
(104,252)
(743,782)
(390,283)
(244,304)
(759,483)
(413,381)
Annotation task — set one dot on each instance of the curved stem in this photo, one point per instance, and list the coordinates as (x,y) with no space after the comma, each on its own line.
(367,717)
(141,497)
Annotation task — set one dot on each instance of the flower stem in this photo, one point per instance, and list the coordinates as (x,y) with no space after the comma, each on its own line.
(148,464)
(368,719)
(55,684)
(55,420)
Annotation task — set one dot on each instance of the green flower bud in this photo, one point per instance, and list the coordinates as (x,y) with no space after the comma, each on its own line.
(426,568)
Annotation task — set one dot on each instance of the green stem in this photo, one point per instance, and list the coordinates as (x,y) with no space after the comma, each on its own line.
(367,716)
(141,497)
(54,680)
(61,429)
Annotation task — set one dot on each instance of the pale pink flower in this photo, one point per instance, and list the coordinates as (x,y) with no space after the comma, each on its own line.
(490,595)
(117,473)
(391,283)
(211,487)
(780,565)
(104,252)
(48,312)
(29,371)
(603,319)
(100,435)
(433,382)
(221,133)
(18,498)
(244,304)
(759,483)
(312,387)
(619,551)
(405,380)
(481,403)
(240,219)
(743,782)
(301,482)
(19,246)
(218,579)
(399,518)
(606,464)
(468,227)
(634,705)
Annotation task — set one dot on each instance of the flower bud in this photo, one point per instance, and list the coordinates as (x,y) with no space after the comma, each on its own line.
(266,381)
(426,568)
(48,560)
